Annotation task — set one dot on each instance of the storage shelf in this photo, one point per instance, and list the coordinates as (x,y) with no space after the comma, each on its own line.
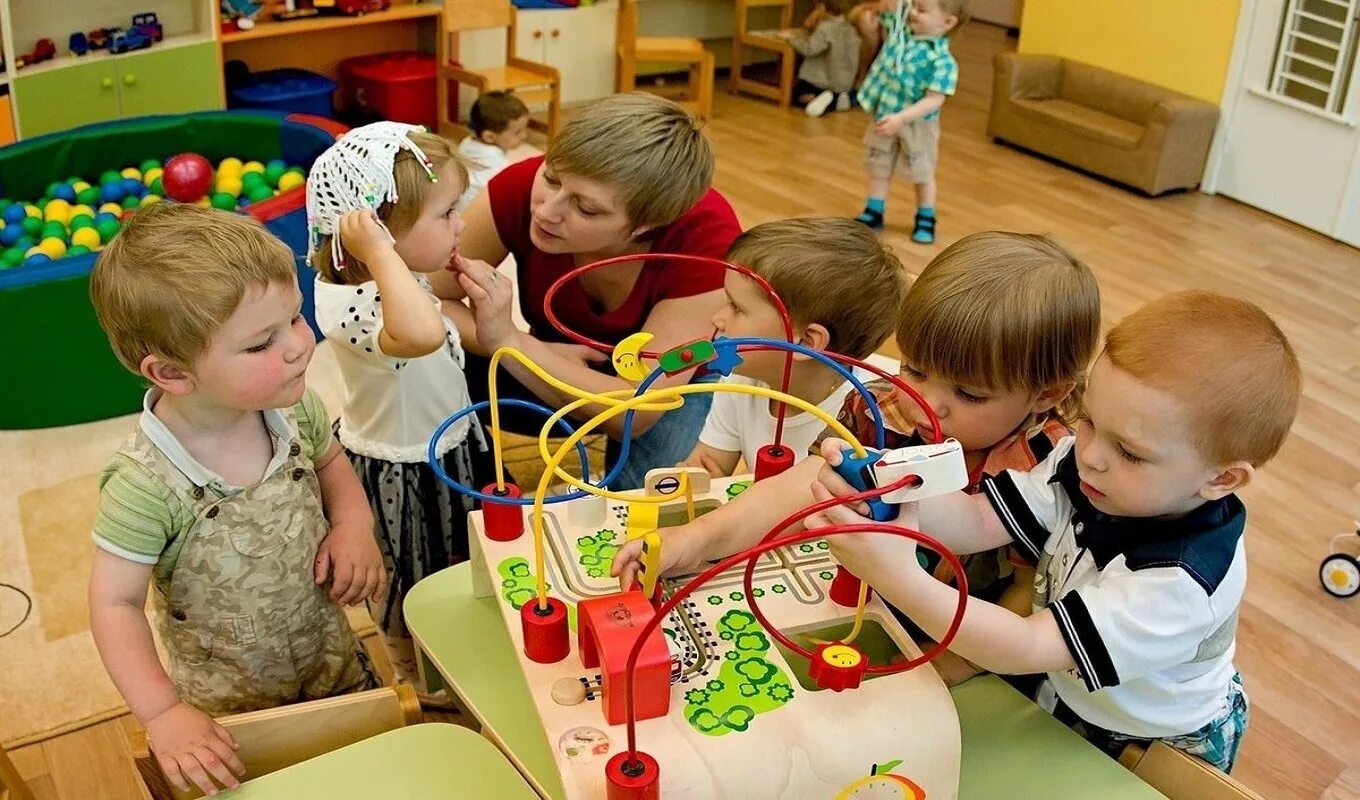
(68,60)
(271,28)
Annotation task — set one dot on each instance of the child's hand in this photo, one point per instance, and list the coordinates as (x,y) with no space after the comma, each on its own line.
(578,353)
(349,555)
(675,557)
(891,124)
(190,746)
(865,554)
(491,295)
(832,453)
(363,236)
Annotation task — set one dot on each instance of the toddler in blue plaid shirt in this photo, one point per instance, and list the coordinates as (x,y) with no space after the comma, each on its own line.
(903,92)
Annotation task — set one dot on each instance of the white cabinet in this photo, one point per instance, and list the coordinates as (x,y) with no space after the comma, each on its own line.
(579,42)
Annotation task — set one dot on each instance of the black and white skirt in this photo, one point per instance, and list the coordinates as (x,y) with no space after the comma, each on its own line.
(420,522)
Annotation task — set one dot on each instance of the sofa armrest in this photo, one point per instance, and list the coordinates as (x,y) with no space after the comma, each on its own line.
(1028,77)
(1179,131)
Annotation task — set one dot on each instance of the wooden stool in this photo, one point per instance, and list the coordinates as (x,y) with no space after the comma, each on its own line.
(742,38)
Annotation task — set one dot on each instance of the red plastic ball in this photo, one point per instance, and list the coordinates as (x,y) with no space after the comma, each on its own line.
(187,177)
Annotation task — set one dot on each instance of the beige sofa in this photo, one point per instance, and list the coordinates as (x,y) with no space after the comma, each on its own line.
(1121,128)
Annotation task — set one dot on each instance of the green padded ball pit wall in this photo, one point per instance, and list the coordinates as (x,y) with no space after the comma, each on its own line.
(55,362)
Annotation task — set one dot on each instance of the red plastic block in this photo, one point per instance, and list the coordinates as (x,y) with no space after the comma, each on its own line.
(845,588)
(837,666)
(606,628)
(632,778)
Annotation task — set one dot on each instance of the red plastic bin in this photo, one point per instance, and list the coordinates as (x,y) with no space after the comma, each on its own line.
(398,86)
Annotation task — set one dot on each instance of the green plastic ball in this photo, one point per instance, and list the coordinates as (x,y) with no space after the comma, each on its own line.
(132,201)
(52,189)
(89,196)
(32,226)
(149,165)
(24,243)
(260,192)
(12,257)
(81,221)
(252,179)
(273,171)
(110,176)
(108,228)
(77,250)
(53,230)
(5,203)
(224,201)
(42,204)
(157,187)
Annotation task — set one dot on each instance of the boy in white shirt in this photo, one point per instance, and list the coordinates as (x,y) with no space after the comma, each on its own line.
(499,123)
(842,289)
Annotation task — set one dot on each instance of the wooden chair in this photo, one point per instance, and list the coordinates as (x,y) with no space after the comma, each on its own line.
(281,737)
(665,49)
(533,82)
(1181,776)
(743,38)
(12,787)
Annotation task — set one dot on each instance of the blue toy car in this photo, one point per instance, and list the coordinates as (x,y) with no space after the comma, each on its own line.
(148,25)
(127,41)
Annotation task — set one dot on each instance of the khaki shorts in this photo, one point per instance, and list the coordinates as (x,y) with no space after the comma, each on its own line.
(914,150)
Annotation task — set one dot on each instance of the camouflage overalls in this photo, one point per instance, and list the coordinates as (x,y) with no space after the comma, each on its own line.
(244,623)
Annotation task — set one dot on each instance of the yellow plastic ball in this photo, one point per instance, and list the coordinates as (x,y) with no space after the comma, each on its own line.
(203,201)
(229,166)
(252,166)
(80,186)
(131,172)
(290,180)
(33,211)
(149,177)
(31,251)
(54,248)
(231,184)
(112,208)
(87,237)
(57,211)
(149,199)
(77,210)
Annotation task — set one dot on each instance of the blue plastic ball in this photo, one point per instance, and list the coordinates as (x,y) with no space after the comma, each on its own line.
(36,259)
(105,217)
(134,187)
(15,214)
(64,191)
(10,234)
(25,242)
(112,192)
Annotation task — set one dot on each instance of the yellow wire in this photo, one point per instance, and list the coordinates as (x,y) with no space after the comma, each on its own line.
(689,495)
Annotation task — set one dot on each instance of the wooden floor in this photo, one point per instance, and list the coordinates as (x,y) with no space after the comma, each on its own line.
(1299,649)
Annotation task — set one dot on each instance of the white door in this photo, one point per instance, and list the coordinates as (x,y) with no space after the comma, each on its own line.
(581,44)
(1291,144)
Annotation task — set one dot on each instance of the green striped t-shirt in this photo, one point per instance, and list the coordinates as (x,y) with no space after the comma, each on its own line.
(141,518)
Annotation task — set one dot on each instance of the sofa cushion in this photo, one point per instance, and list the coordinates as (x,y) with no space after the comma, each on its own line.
(1083,121)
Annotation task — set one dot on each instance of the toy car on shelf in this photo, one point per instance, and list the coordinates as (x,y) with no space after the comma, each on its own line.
(42,51)
(350,8)
(128,41)
(148,25)
(1340,571)
(78,44)
(98,39)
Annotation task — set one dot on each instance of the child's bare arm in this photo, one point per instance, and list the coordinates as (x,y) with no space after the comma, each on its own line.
(349,551)
(413,325)
(717,463)
(186,742)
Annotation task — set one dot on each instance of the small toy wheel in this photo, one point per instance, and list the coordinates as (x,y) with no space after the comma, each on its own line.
(1340,575)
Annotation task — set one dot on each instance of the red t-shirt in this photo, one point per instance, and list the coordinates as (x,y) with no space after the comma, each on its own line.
(707,229)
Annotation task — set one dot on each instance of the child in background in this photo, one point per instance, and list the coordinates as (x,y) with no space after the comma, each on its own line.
(842,289)
(500,123)
(1135,526)
(830,49)
(231,498)
(996,334)
(903,92)
(384,194)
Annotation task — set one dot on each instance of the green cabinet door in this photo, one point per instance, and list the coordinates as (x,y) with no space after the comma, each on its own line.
(66,97)
(171,81)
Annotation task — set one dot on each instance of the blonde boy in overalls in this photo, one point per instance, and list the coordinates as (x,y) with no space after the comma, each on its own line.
(231,498)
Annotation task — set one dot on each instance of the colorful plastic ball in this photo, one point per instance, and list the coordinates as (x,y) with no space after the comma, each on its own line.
(150,199)
(31,226)
(79,186)
(132,201)
(36,259)
(10,235)
(109,176)
(128,214)
(53,228)
(55,248)
(291,180)
(131,172)
(148,165)
(252,166)
(243,201)
(112,192)
(12,257)
(273,172)
(156,187)
(224,201)
(79,221)
(25,242)
(107,228)
(41,205)
(258,193)
(79,209)
(86,237)
(230,166)
(65,191)
(251,179)
(77,250)
(32,210)
(57,210)
(52,189)
(14,214)
(88,196)
(5,203)
(151,174)
(187,177)
(229,184)
(110,208)
(133,187)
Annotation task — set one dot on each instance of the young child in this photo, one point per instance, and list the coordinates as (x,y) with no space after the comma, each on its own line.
(843,291)
(1135,526)
(830,49)
(996,334)
(231,498)
(500,123)
(400,358)
(903,92)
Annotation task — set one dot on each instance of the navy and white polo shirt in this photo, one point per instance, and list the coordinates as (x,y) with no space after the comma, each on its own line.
(1147,607)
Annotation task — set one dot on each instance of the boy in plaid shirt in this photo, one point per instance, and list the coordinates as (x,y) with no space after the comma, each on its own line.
(903,93)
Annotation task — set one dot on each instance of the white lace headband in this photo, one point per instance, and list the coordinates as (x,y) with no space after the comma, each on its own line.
(353,174)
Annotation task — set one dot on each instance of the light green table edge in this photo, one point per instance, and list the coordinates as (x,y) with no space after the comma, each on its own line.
(1011,747)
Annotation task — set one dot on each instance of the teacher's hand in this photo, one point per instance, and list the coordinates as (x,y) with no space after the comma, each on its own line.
(491,294)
